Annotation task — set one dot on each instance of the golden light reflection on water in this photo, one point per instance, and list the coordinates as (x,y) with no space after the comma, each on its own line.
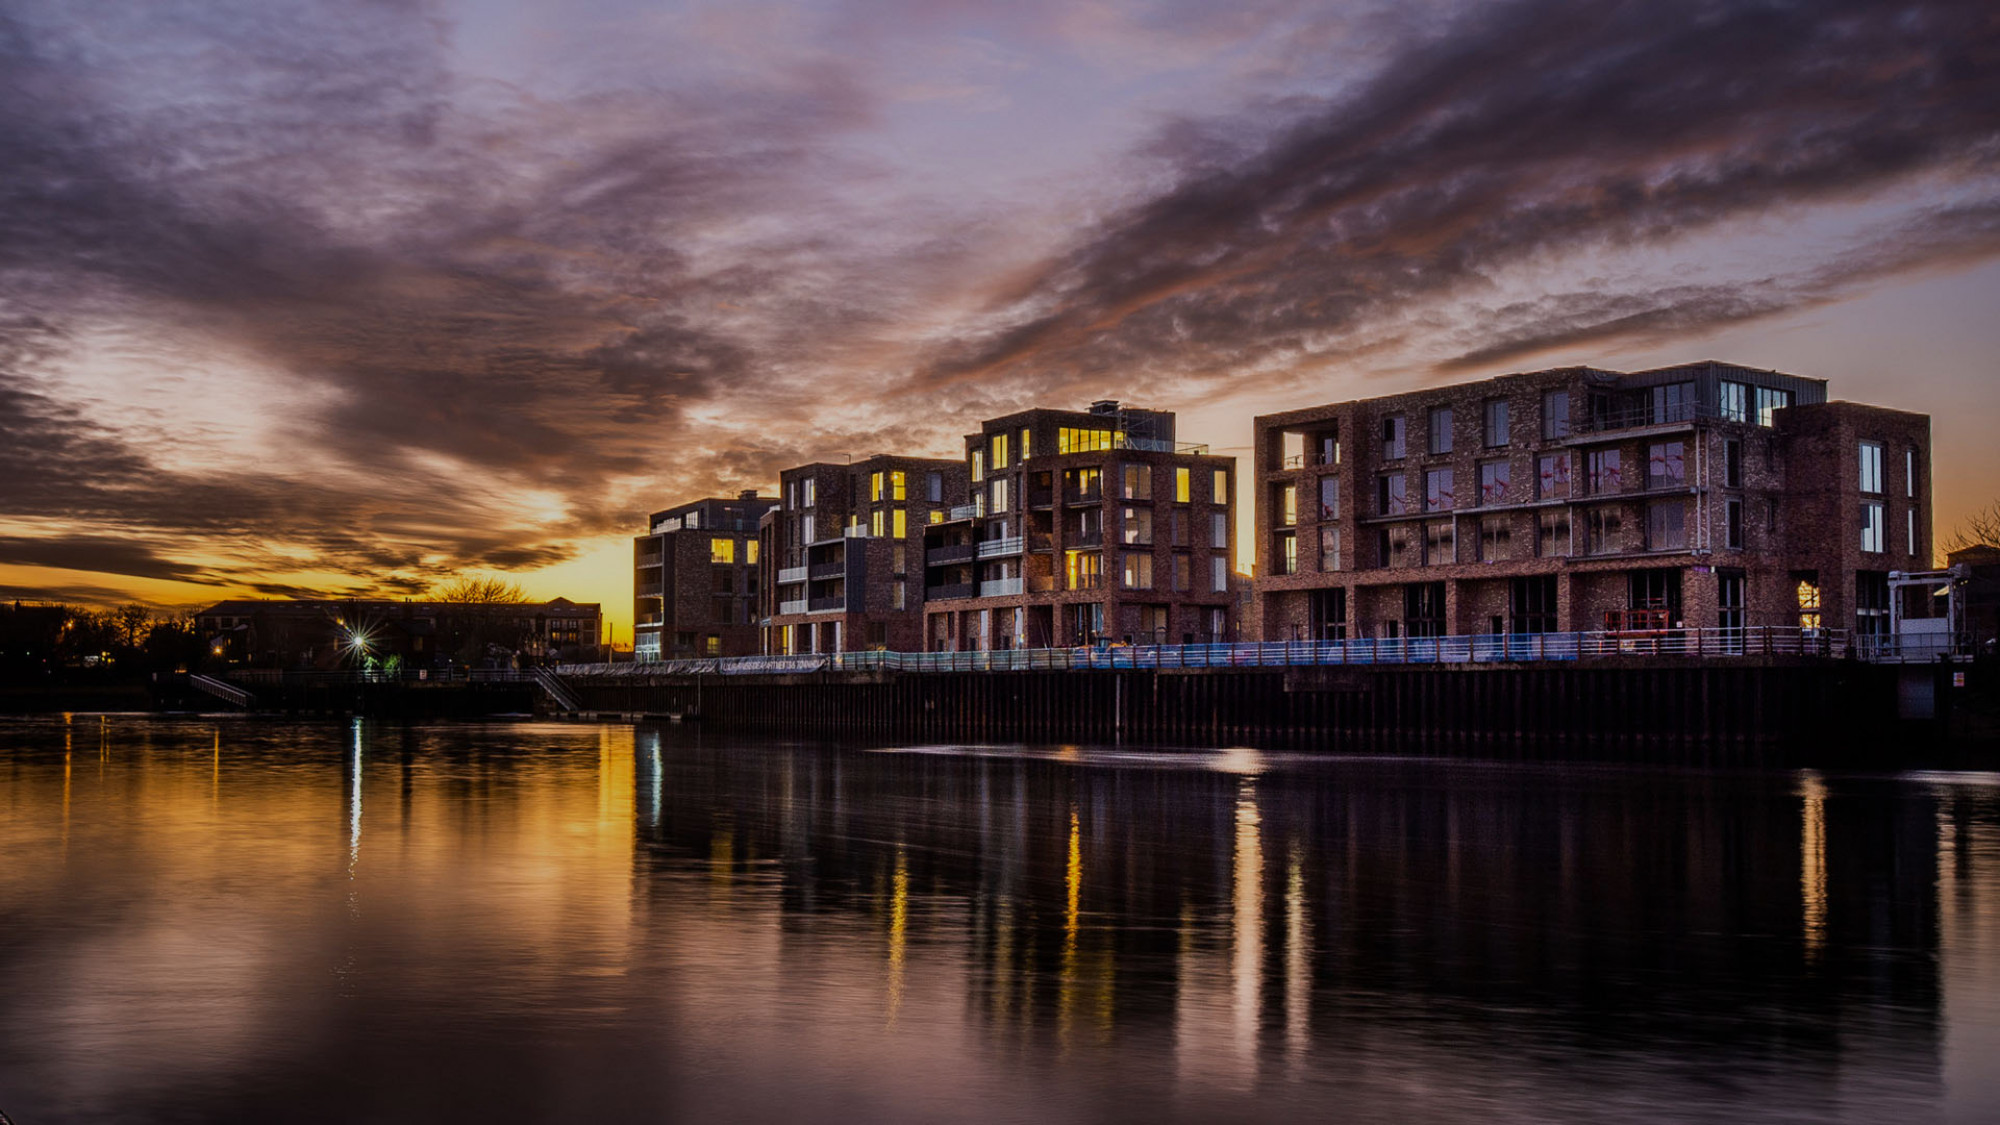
(1812,862)
(899,929)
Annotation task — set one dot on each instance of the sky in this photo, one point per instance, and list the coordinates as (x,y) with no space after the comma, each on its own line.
(352,297)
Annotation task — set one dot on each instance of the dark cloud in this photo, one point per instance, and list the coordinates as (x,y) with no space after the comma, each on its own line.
(1522,131)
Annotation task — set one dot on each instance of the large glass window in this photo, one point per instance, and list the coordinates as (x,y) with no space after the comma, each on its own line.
(1440,543)
(1555,415)
(1666,525)
(1440,420)
(1000,497)
(1138,570)
(1666,465)
(1607,474)
(1438,491)
(1285,553)
(1872,533)
(1138,525)
(1552,534)
(1871,467)
(1329,549)
(999,445)
(1071,439)
(1183,486)
(1672,402)
(1496,539)
(1735,402)
(1218,530)
(1083,570)
(1329,499)
(1218,574)
(1769,402)
(1391,496)
(1552,476)
(722,550)
(1496,423)
(1285,505)
(898,485)
(1494,479)
(1604,530)
(1219,488)
(1732,524)
(1392,437)
(1137,482)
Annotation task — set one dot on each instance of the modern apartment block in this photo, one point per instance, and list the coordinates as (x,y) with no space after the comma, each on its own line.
(1702,495)
(695,580)
(1082,526)
(843,553)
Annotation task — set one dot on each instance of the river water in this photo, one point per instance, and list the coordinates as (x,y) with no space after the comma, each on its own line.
(240,921)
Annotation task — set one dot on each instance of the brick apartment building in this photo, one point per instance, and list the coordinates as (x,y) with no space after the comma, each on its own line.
(1079,527)
(843,553)
(1701,495)
(695,580)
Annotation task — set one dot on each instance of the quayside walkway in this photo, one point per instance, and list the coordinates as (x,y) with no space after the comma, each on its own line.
(1516,648)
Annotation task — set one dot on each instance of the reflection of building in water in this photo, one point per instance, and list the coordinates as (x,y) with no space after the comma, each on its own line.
(1232,924)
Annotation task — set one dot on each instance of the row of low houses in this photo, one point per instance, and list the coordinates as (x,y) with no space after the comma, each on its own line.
(330,633)
(1575,499)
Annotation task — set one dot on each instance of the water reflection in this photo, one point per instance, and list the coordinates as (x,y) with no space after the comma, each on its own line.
(567,923)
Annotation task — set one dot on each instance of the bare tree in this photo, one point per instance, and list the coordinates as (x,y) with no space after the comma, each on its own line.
(1981,528)
(470,589)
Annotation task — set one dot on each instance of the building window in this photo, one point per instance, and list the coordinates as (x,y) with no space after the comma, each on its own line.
(1496,539)
(1552,476)
(1392,437)
(899,523)
(1329,499)
(1808,596)
(978,465)
(1329,446)
(875,488)
(1218,530)
(1138,525)
(1602,528)
(750,551)
(1071,439)
(999,446)
(1735,402)
(1666,465)
(722,551)
(808,491)
(1912,519)
(1398,545)
(1179,520)
(1732,524)
(1672,402)
(1732,463)
(1390,495)
(1496,423)
(1607,474)
(1440,543)
(1423,609)
(1910,473)
(1871,467)
(1183,573)
(1871,527)
(1729,607)
(1138,570)
(999,496)
(1438,491)
(1534,604)
(878,523)
(1555,415)
(1220,487)
(1871,603)
(1183,486)
(1137,482)
(1329,549)
(1286,505)
(1083,570)
(1552,534)
(714,645)
(1285,553)
(1494,478)
(1666,525)
(1218,573)
(1769,402)
(1440,425)
(898,485)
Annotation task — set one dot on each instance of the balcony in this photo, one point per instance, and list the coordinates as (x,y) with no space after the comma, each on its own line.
(1640,416)
(650,619)
(971,511)
(1074,496)
(828,570)
(1077,539)
(1041,497)
(949,554)
(1041,543)
(1000,548)
(948,592)
(797,605)
(857,531)
(791,575)
(833,604)
(999,587)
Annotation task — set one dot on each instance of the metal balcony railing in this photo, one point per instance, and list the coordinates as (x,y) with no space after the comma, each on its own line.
(1000,548)
(971,511)
(999,587)
(795,605)
(792,574)
(951,553)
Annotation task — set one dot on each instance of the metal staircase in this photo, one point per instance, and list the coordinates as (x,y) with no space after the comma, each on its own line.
(223,690)
(558,691)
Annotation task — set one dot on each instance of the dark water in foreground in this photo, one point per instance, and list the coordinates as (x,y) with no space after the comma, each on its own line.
(248,922)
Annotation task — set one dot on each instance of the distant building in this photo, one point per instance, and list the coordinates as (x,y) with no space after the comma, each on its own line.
(336,632)
(695,580)
(1701,495)
(1081,527)
(844,553)
(1981,593)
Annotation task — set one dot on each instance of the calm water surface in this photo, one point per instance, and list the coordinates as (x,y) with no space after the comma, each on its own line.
(231,921)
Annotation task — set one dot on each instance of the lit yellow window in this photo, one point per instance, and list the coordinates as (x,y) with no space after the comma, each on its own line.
(902,523)
(978,465)
(1183,488)
(879,523)
(722,550)
(999,451)
(1024,443)
(937,515)
(896,485)
(1222,486)
(750,551)
(875,486)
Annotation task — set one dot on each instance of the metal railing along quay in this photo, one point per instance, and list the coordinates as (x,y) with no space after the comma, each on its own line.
(1481,649)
